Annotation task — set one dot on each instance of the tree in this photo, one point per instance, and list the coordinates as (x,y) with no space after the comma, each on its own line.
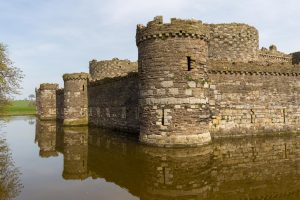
(10,77)
(31,97)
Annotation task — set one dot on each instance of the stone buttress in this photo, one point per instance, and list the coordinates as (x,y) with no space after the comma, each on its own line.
(172,58)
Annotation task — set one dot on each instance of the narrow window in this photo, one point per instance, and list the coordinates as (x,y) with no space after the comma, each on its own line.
(189,63)
(83,88)
(252,116)
(163,117)
(283,113)
(285,151)
(164,174)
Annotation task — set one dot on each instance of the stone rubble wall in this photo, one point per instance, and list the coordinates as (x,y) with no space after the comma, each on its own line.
(255,100)
(172,96)
(111,68)
(192,80)
(46,101)
(272,55)
(75,99)
(233,42)
(113,103)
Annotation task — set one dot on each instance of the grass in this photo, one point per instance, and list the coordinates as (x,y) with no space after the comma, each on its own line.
(19,107)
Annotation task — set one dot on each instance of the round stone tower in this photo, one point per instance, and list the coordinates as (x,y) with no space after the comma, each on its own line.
(75,99)
(233,42)
(46,97)
(172,67)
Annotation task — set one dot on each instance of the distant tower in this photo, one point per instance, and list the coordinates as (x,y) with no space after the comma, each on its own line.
(172,67)
(46,101)
(75,99)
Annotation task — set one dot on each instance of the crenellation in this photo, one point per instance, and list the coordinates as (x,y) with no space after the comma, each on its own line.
(193,81)
(111,68)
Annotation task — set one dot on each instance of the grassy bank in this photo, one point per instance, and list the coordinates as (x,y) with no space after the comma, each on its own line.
(19,107)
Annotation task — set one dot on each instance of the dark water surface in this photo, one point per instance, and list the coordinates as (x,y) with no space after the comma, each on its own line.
(81,163)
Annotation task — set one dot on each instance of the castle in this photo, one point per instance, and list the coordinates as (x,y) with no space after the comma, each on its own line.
(193,81)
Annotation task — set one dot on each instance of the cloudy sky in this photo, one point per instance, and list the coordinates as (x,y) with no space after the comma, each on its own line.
(47,38)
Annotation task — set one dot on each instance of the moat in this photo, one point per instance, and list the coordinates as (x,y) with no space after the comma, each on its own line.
(89,163)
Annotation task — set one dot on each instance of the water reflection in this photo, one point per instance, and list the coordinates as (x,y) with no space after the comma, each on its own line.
(10,185)
(251,168)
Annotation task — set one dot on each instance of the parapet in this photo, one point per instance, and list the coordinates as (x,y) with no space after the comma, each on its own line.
(76,76)
(233,42)
(48,86)
(111,68)
(272,55)
(156,29)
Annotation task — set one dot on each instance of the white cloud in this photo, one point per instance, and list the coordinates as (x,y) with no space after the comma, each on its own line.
(48,38)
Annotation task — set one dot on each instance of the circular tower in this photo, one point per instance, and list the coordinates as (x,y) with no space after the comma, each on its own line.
(233,42)
(46,96)
(75,99)
(111,68)
(172,67)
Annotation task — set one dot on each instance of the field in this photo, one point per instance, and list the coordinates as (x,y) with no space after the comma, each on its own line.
(19,107)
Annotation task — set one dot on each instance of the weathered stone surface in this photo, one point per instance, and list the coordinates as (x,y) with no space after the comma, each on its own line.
(75,99)
(181,49)
(192,80)
(111,68)
(46,101)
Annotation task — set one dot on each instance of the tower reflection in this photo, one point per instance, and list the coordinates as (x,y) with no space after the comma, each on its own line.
(248,168)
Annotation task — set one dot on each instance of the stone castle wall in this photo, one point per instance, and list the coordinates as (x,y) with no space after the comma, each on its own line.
(111,68)
(75,99)
(172,71)
(255,99)
(272,55)
(46,101)
(233,42)
(193,80)
(113,103)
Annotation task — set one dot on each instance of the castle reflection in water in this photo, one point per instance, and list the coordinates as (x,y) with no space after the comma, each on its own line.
(248,168)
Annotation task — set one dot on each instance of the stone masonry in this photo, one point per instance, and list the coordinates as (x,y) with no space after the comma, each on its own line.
(193,81)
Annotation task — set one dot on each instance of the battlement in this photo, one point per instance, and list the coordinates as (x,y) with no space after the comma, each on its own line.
(48,86)
(193,81)
(76,76)
(108,80)
(156,29)
(253,68)
(273,55)
(111,68)
(233,42)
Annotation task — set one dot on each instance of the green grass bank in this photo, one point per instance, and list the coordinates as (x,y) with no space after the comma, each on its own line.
(19,107)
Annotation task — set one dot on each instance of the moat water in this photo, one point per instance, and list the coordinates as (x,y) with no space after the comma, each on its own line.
(44,161)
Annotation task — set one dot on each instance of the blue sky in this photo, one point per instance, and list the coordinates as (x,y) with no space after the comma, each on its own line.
(47,38)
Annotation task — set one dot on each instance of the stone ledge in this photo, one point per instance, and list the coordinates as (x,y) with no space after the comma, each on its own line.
(48,86)
(76,76)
